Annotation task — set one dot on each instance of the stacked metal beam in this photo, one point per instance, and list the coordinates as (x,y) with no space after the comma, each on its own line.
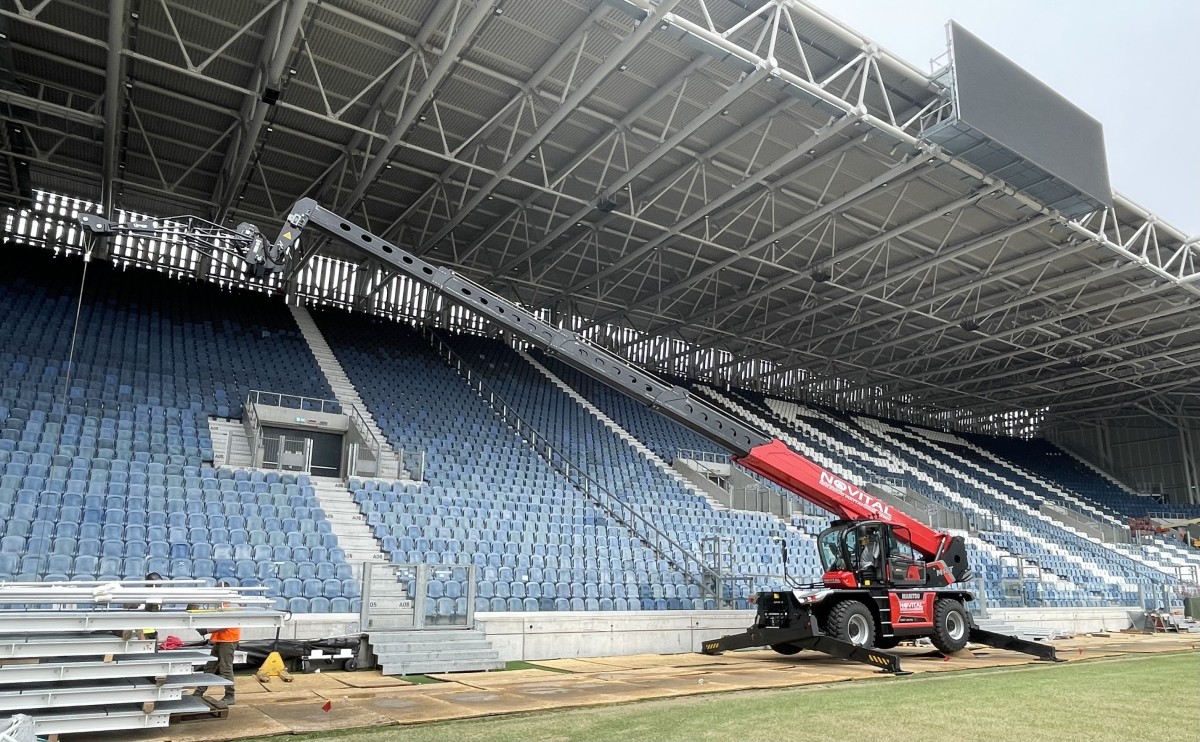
(72,656)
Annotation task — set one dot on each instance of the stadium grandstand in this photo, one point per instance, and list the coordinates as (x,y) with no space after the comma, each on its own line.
(942,303)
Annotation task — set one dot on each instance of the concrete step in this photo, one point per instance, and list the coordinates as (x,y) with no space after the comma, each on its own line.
(339,516)
(427,637)
(364,555)
(391,592)
(355,541)
(425,668)
(389,622)
(414,652)
(482,648)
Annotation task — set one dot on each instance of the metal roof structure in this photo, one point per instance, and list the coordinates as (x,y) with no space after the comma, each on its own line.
(727,189)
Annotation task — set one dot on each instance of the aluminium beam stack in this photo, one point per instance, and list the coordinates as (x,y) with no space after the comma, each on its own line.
(72,656)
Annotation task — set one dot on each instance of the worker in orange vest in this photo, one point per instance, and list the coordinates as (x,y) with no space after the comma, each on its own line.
(224,643)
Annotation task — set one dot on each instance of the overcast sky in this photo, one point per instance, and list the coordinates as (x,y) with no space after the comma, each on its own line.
(1132,65)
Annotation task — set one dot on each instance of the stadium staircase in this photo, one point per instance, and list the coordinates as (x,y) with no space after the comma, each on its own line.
(433,651)
(625,435)
(359,546)
(231,446)
(345,393)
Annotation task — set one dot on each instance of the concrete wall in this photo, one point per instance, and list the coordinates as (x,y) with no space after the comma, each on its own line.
(1078,620)
(286,417)
(308,626)
(542,636)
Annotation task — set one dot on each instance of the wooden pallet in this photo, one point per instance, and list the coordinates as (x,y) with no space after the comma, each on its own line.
(213,713)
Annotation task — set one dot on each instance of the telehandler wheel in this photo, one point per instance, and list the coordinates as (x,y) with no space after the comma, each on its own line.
(852,622)
(786,648)
(951,626)
(886,642)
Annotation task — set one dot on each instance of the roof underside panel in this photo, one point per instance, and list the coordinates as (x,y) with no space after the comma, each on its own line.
(735,188)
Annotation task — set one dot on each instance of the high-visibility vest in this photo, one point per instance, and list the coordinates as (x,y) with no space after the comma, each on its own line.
(226,635)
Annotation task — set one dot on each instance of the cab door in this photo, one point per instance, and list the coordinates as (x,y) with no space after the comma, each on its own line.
(905,569)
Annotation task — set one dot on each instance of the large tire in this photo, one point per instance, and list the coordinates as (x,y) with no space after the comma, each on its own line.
(788,649)
(886,642)
(951,626)
(852,622)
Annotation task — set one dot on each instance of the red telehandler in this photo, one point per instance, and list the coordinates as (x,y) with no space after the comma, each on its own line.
(887,577)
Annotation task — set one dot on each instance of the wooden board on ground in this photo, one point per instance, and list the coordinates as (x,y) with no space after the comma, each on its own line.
(573,665)
(496,679)
(243,721)
(415,708)
(370,679)
(309,716)
(315,682)
(489,702)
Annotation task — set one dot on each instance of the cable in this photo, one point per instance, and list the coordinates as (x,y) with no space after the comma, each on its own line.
(87,259)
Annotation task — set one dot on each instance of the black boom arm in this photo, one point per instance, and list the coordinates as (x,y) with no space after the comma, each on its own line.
(670,400)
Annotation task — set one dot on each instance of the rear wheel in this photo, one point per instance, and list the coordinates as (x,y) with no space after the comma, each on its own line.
(852,622)
(786,648)
(951,626)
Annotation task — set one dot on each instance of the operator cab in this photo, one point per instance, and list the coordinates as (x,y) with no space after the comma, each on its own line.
(869,553)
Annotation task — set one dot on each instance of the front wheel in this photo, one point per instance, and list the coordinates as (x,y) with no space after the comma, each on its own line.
(852,622)
(788,649)
(951,626)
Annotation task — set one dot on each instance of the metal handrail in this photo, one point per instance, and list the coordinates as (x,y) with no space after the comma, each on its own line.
(329,406)
(707,457)
(578,476)
(376,446)
(254,434)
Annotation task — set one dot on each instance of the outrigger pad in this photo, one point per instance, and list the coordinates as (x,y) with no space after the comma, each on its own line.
(1043,652)
(885,661)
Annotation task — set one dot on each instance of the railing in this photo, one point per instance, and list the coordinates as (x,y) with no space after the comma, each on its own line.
(412,462)
(1073,516)
(764,499)
(667,548)
(294,401)
(707,457)
(253,435)
(375,446)
(378,596)
(287,453)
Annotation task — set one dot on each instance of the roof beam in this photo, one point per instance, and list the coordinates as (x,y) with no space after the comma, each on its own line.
(615,58)
(819,138)
(793,277)
(1047,345)
(922,264)
(284,28)
(903,168)
(616,127)
(577,37)
(388,89)
(739,89)
(653,192)
(1164,335)
(455,46)
(1078,282)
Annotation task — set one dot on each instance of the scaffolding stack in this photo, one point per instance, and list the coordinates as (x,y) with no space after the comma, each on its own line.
(74,658)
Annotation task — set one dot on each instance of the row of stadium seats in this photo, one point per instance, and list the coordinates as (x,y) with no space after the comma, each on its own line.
(105,463)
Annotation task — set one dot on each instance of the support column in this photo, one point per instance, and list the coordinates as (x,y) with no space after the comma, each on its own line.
(113,80)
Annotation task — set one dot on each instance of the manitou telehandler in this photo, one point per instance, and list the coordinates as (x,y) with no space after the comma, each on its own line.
(887,577)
